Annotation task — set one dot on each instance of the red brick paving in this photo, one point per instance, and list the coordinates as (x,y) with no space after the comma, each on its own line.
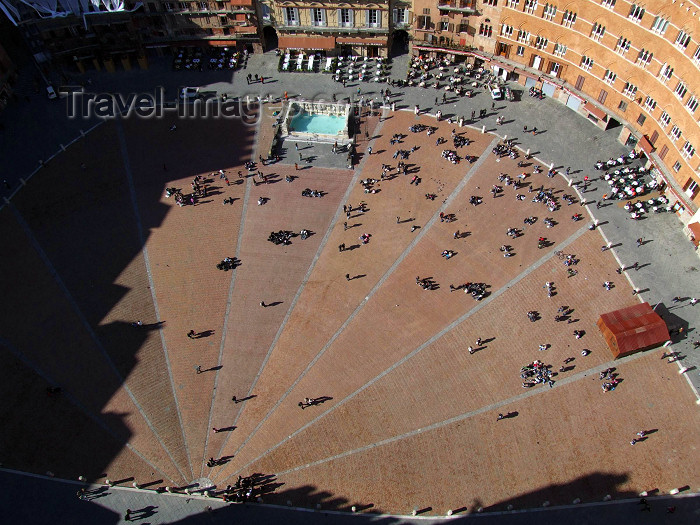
(38,321)
(185,247)
(301,339)
(410,397)
(415,314)
(84,221)
(44,434)
(270,273)
(554,450)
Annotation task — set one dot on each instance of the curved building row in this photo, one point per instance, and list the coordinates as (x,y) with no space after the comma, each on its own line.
(628,64)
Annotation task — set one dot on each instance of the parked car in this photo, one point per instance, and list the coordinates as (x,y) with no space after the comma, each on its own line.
(50,92)
(495,92)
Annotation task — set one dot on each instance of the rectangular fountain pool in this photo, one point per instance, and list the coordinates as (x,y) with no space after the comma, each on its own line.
(318,124)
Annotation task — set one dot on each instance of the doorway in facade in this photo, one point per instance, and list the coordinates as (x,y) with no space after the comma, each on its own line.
(399,43)
(270,38)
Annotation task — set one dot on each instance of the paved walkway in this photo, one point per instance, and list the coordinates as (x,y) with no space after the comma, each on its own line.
(43,501)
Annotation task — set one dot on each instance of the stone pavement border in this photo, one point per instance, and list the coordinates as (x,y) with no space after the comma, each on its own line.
(58,505)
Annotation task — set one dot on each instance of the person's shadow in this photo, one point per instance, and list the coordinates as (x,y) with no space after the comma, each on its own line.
(143,513)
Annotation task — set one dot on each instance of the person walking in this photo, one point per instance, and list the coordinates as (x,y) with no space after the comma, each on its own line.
(640,242)
(347,276)
(262,303)
(191,334)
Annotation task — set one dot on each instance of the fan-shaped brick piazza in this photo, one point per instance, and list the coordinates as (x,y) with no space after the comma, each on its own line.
(410,418)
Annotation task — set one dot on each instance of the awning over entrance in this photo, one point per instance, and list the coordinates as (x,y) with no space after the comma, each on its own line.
(597,113)
(418,47)
(694,229)
(313,43)
(633,329)
(363,41)
(645,145)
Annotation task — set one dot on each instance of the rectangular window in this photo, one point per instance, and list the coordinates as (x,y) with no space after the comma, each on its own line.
(665,119)
(688,150)
(680,90)
(204,6)
(559,50)
(622,106)
(666,73)
(400,16)
(485,30)
(636,13)
(677,166)
(692,189)
(610,77)
(492,3)
(623,45)
(597,32)
(682,40)
(586,63)
(641,118)
(373,18)
(608,3)
(554,68)
(530,6)
(541,42)
(650,103)
(676,132)
(513,4)
(630,90)
(692,104)
(579,82)
(318,17)
(182,6)
(644,57)
(660,25)
(523,36)
(549,12)
(345,18)
(602,96)
(444,25)
(696,56)
(266,12)
(424,22)
(662,153)
(569,18)
(291,15)
(464,27)
(507,31)
(426,10)
(168,6)
(520,51)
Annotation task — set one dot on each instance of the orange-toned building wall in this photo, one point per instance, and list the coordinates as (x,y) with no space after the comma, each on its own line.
(634,107)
